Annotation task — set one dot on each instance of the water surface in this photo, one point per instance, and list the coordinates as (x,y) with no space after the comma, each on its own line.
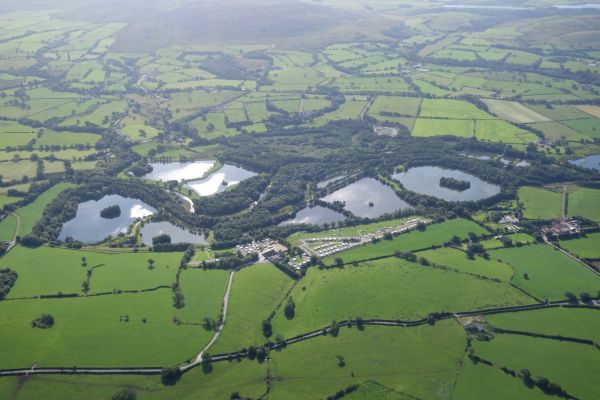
(220,180)
(177,171)
(590,162)
(426,180)
(89,227)
(177,234)
(315,215)
(358,195)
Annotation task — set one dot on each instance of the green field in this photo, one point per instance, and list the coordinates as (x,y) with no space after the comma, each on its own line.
(584,202)
(458,260)
(310,369)
(569,322)
(540,203)
(8,227)
(389,289)
(571,365)
(256,292)
(434,235)
(585,247)
(550,273)
(89,331)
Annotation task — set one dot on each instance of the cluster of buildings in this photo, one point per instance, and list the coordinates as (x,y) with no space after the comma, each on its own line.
(385,130)
(565,226)
(510,221)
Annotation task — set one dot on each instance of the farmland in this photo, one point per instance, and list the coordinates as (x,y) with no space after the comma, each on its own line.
(299,199)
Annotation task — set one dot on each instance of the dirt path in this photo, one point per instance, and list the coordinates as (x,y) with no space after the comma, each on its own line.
(199,357)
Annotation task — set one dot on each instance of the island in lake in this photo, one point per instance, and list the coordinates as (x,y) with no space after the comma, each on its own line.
(454,184)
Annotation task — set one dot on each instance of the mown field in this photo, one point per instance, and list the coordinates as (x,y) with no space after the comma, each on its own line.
(585,247)
(434,235)
(547,273)
(256,292)
(388,289)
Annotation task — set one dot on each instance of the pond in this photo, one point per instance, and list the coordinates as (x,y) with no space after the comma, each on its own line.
(89,227)
(220,180)
(359,194)
(315,215)
(177,171)
(590,162)
(326,182)
(177,234)
(426,180)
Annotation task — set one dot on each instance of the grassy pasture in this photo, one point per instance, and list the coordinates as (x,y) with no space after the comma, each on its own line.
(129,271)
(560,112)
(310,369)
(82,321)
(550,273)
(498,130)
(351,109)
(589,127)
(390,289)
(16,170)
(32,212)
(203,292)
(457,259)
(571,365)
(514,112)
(8,226)
(434,235)
(493,243)
(13,134)
(352,84)
(438,127)
(557,131)
(408,106)
(584,202)
(479,381)
(453,109)
(585,247)
(580,323)
(540,203)
(256,292)
(52,138)
(246,377)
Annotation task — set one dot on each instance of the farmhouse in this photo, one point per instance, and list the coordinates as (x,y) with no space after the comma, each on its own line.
(563,227)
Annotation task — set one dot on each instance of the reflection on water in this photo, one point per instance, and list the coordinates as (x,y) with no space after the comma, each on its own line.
(368,198)
(426,180)
(220,180)
(177,171)
(89,227)
(315,215)
(177,234)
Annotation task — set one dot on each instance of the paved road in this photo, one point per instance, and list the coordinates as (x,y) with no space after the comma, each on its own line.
(287,342)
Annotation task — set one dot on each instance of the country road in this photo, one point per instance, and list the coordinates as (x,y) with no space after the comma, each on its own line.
(217,333)
(284,343)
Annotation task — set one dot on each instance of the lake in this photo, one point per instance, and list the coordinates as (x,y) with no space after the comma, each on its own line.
(177,234)
(214,182)
(177,171)
(315,215)
(426,180)
(89,227)
(591,162)
(358,195)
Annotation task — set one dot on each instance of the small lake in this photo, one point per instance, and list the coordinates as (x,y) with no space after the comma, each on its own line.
(89,227)
(326,182)
(591,162)
(315,215)
(214,183)
(177,234)
(177,171)
(358,195)
(426,180)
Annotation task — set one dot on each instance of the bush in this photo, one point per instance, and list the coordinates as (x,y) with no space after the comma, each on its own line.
(125,394)
(45,321)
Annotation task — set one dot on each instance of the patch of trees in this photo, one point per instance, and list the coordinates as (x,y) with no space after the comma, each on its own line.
(8,278)
(170,375)
(170,247)
(225,67)
(111,212)
(229,262)
(44,321)
(454,184)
